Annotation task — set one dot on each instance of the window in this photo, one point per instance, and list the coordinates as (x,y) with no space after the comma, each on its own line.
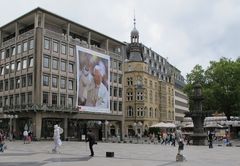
(25,44)
(17,99)
(23,98)
(115,92)
(70,67)
(55,64)
(130,111)
(115,105)
(110,90)
(31,44)
(7,53)
(129,81)
(45,80)
(47,43)
(55,81)
(114,77)
(30,61)
(29,79)
(11,83)
(70,101)
(71,51)
(120,92)
(6,85)
(129,96)
(70,84)
(120,106)
(46,61)
(1,70)
(114,66)
(24,82)
(6,100)
(45,98)
(63,100)
(18,67)
(54,99)
(11,100)
(29,98)
(63,48)
(119,79)
(17,82)
(7,69)
(63,65)
(119,66)
(63,83)
(12,67)
(1,102)
(55,46)
(1,86)
(13,51)
(19,49)
(24,64)
(2,55)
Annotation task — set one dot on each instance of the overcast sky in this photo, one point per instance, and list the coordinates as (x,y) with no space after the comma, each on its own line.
(186,32)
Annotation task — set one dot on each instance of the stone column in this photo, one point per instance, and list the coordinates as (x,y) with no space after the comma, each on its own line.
(37,125)
(65,128)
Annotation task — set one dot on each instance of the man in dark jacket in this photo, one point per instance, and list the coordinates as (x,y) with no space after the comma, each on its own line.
(92,140)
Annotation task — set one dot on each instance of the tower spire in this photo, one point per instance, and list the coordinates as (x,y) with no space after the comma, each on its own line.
(134,20)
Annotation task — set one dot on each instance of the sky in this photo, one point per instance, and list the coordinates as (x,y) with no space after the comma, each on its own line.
(186,32)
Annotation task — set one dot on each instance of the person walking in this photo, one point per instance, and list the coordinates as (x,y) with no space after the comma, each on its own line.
(92,140)
(25,136)
(56,136)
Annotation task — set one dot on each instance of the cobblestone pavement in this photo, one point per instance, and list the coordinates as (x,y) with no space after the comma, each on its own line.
(76,154)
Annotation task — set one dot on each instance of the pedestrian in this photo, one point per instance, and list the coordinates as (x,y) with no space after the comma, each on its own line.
(56,136)
(25,136)
(1,141)
(179,138)
(210,139)
(92,140)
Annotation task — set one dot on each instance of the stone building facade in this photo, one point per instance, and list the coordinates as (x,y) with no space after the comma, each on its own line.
(38,77)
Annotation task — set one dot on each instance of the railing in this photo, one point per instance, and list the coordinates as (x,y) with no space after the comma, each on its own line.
(26,34)
(55,34)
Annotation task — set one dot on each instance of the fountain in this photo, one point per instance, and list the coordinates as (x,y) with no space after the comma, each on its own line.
(198,116)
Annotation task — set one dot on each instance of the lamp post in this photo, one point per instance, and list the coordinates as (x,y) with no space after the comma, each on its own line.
(10,117)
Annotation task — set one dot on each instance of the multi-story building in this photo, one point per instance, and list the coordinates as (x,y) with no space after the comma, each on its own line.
(150,83)
(39,71)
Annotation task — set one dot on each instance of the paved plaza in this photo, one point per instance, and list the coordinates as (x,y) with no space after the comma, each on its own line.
(77,154)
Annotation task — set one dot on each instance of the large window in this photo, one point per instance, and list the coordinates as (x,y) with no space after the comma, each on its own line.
(11,83)
(1,86)
(30,61)
(46,61)
(47,43)
(2,54)
(7,69)
(45,80)
(55,81)
(55,63)
(70,68)
(54,99)
(63,48)
(24,64)
(63,83)
(1,70)
(17,82)
(17,99)
(63,65)
(29,79)
(23,99)
(25,44)
(24,82)
(13,50)
(70,101)
(29,98)
(18,67)
(12,67)
(55,46)
(63,100)
(6,85)
(45,98)
(70,84)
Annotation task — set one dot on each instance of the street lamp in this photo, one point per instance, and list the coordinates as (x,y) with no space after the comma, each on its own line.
(10,117)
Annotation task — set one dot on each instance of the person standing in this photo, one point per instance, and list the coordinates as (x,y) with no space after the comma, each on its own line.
(56,137)
(92,140)
(210,139)
(179,138)
(25,135)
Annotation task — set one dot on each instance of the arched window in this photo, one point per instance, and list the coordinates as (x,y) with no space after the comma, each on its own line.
(129,95)
(151,112)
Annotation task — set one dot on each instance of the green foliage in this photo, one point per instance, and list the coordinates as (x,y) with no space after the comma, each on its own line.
(221,86)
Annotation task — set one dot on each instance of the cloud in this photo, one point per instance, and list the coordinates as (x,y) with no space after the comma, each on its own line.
(187,32)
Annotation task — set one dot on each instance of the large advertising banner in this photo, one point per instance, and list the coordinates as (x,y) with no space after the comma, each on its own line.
(93,71)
